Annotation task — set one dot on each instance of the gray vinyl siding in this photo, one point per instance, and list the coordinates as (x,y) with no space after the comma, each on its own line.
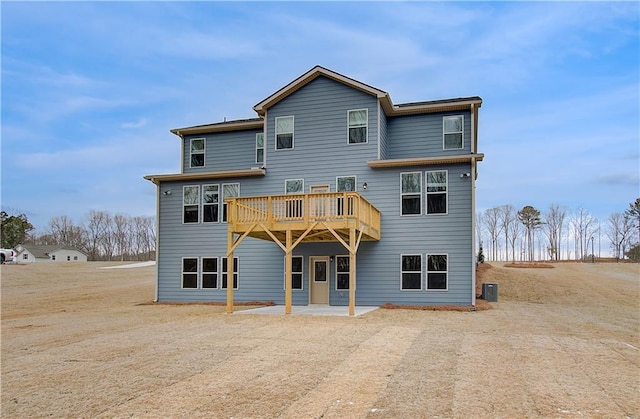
(421,136)
(235,150)
(320,154)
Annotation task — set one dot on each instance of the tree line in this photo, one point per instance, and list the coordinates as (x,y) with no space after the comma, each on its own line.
(101,235)
(508,234)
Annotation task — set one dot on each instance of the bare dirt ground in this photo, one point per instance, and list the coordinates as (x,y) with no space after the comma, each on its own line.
(77,342)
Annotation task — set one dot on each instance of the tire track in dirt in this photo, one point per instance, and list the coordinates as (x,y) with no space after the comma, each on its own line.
(351,388)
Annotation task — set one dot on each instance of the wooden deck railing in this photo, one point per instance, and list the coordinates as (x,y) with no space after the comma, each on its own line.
(281,212)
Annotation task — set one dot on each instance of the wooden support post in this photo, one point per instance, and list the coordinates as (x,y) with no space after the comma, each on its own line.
(352,271)
(229,271)
(288,276)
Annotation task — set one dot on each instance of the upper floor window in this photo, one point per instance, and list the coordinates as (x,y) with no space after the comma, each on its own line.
(411,193)
(260,148)
(284,132)
(229,190)
(190,204)
(437,192)
(345,184)
(357,122)
(210,203)
(452,128)
(196,149)
(294,186)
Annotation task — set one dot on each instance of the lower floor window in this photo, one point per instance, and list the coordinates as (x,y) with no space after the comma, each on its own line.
(411,272)
(296,272)
(437,270)
(209,272)
(236,264)
(189,272)
(342,272)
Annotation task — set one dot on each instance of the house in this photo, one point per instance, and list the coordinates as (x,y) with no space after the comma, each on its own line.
(332,195)
(48,253)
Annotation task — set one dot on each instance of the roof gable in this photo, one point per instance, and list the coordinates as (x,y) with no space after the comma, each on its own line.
(311,75)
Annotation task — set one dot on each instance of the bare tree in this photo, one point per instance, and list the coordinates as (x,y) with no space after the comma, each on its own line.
(120,234)
(492,221)
(515,229)
(583,224)
(65,232)
(619,231)
(553,222)
(97,228)
(508,216)
(530,218)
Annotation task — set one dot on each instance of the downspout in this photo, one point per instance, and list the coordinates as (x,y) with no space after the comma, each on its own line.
(264,142)
(473,206)
(157,242)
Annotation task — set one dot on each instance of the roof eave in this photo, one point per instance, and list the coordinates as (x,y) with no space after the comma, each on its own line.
(206,175)
(219,127)
(425,161)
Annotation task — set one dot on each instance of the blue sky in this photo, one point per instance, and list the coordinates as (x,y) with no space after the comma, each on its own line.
(90,90)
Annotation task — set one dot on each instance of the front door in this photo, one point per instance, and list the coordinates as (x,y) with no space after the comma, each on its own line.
(319,205)
(319,280)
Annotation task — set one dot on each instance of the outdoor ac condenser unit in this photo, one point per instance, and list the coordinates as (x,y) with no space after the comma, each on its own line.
(490,292)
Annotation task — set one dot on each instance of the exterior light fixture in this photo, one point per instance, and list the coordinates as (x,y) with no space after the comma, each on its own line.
(364,186)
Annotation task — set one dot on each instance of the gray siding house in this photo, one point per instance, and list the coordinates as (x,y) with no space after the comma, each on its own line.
(332,195)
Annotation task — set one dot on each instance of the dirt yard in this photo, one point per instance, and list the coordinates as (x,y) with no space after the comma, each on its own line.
(561,342)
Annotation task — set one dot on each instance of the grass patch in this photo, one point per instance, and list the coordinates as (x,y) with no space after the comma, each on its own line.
(480,305)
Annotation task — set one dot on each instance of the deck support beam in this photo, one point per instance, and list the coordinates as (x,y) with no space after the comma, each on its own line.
(288,274)
(230,271)
(352,271)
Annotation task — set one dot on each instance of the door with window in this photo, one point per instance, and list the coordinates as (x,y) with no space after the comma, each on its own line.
(319,280)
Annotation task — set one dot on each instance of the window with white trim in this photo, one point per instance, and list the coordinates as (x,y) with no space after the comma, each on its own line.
(342,272)
(345,184)
(437,181)
(452,132)
(189,273)
(190,204)
(292,186)
(411,272)
(411,193)
(296,272)
(284,132)
(260,148)
(236,265)
(437,272)
(294,205)
(229,190)
(357,121)
(196,152)
(210,273)
(210,203)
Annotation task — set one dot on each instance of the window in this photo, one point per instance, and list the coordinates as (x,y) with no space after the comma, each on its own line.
(411,272)
(260,148)
(209,272)
(75,258)
(196,149)
(294,205)
(437,192)
(296,272)
(411,193)
(236,262)
(25,256)
(357,121)
(190,204)
(345,184)
(189,272)
(68,258)
(342,272)
(292,186)
(284,132)
(229,190)
(53,257)
(452,128)
(437,272)
(210,203)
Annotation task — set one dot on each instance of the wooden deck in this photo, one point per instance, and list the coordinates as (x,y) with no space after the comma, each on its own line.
(319,213)
(289,220)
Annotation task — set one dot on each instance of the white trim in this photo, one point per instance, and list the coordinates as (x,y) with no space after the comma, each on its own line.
(379,129)
(224,272)
(266,137)
(426,282)
(217,273)
(444,132)
(348,273)
(301,272)
(275,131)
(204,152)
(402,255)
(366,126)
(291,180)
(355,182)
(446,192)
(197,204)
(474,257)
(413,193)
(210,204)
(320,186)
(182,272)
